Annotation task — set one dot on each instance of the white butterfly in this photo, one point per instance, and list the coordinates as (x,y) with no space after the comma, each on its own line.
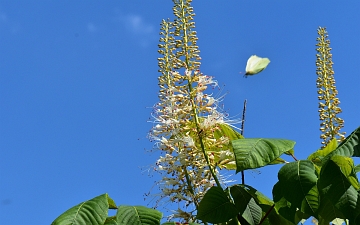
(256,64)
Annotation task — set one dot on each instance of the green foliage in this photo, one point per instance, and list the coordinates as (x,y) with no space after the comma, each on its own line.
(137,215)
(216,207)
(349,147)
(248,208)
(328,191)
(297,177)
(90,212)
(318,156)
(337,188)
(251,153)
(95,212)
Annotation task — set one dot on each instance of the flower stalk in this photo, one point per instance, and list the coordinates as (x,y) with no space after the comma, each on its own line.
(185,118)
(328,102)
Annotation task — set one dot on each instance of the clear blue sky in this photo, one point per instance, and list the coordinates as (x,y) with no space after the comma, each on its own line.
(78,78)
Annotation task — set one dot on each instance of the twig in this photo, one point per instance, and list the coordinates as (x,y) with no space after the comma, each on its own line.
(267,214)
(243,118)
(242,134)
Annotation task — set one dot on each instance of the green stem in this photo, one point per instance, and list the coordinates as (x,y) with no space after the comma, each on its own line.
(198,129)
(196,118)
(267,214)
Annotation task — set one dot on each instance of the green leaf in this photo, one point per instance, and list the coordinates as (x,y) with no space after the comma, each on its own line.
(285,212)
(111,221)
(278,161)
(246,204)
(91,212)
(310,204)
(257,195)
(275,218)
(138,215)
(290,152)
(227,131)
(346,165)
(251,153)
(266,204)
(317,156)
(349,147)
(295,194)
(296,180)
(327,211)
(215,207)
(341,194)
(284,208)
(357,168)
(227,160)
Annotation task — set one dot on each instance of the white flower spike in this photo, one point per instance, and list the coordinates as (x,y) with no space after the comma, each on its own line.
(255,65)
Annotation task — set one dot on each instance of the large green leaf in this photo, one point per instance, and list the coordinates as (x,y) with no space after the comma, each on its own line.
(138,215)
(267,206)
(251,153)
(349,147)
(295,194)
(297,179)
(91,212)
(246,204)
(215,207)
(334,185)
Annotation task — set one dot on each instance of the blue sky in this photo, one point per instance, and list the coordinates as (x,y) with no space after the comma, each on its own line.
(78,79)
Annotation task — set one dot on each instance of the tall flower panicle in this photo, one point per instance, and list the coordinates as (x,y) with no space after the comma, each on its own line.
(185,118)
(328,102)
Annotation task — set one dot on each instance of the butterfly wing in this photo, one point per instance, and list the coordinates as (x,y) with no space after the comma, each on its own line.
(250,64)
(256,64)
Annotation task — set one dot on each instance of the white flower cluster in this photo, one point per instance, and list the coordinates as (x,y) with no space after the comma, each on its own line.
(183,116)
